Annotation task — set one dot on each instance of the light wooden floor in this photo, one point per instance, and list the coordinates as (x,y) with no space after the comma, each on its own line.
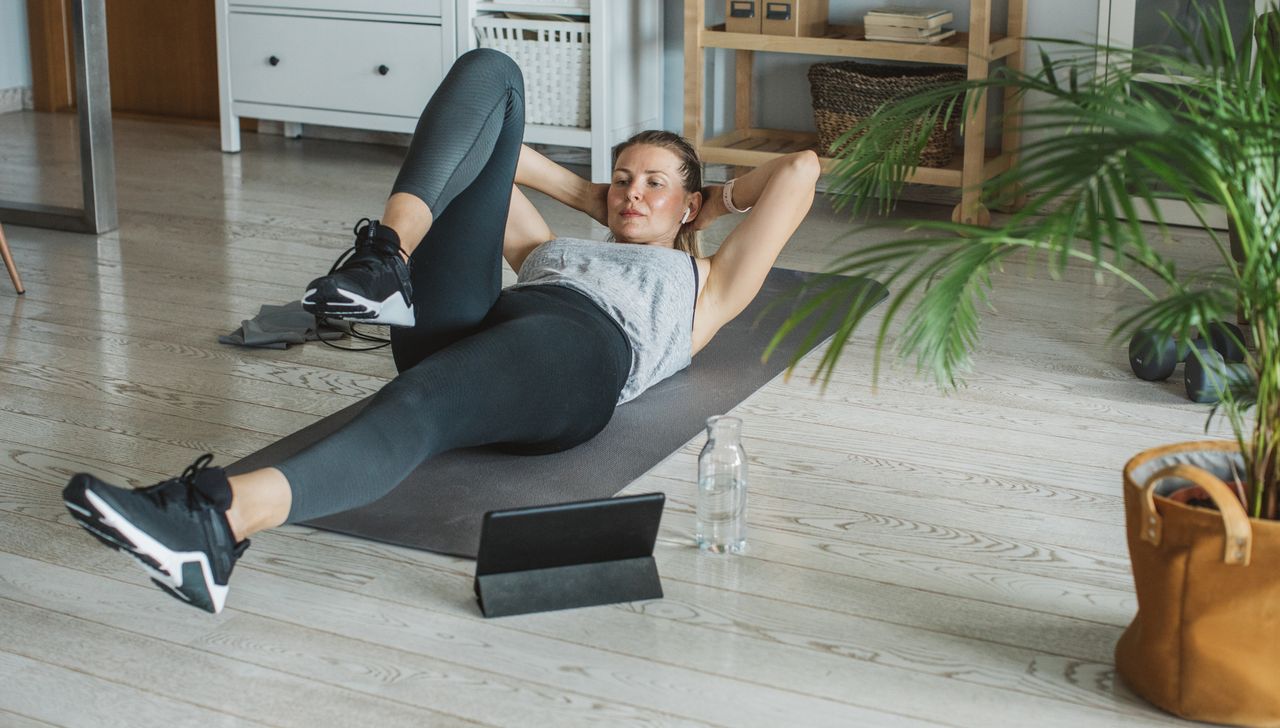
(915,558)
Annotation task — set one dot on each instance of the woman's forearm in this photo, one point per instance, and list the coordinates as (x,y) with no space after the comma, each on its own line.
(536,171)
(748,188)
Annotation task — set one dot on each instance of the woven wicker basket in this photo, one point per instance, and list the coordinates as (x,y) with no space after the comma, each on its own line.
(555,57)
(846,92)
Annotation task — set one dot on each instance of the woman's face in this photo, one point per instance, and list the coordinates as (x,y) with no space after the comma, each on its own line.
(647,197)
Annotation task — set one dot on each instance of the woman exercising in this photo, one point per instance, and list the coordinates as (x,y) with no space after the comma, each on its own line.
(536,368)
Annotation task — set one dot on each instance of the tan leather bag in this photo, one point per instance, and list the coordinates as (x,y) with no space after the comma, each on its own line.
(1205,643)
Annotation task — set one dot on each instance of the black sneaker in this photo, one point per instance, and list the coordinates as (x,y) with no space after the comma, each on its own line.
(369,283)
(177,529)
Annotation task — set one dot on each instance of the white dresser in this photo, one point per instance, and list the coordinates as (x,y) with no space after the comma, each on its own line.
(367,64)
(372,64)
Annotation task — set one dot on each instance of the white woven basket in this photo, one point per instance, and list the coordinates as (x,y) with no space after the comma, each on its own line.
(555,57)
(584,5)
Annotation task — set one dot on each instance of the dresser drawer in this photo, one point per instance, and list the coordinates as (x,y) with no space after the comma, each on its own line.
(331,64)
(395,7)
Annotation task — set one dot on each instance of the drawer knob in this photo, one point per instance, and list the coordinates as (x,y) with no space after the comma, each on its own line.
(273,61)
(383,70)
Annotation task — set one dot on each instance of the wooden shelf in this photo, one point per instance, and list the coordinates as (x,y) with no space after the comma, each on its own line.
(974,51)
(846,41)
(753,147)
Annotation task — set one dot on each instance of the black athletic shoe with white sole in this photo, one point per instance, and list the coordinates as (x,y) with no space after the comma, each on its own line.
(177,529)
(368,284)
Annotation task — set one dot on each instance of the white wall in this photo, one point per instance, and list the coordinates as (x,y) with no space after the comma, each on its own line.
(15,57)
(782,89)
(673,65)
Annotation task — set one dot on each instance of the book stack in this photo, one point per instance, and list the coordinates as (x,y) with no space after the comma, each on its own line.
(908,25)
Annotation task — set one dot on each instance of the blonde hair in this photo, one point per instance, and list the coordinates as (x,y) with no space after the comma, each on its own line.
(687,240)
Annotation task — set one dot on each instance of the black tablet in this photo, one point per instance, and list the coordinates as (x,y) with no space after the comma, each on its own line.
(569,555)
(582,532)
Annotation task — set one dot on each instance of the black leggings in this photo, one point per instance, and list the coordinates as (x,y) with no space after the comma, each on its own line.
(535,370)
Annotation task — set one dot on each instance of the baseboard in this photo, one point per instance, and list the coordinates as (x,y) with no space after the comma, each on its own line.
(18,98)
(338,133)
(579,156)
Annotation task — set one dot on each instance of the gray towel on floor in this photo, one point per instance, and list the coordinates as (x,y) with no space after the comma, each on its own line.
(276,327)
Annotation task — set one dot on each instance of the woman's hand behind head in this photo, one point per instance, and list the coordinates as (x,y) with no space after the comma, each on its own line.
(712,207)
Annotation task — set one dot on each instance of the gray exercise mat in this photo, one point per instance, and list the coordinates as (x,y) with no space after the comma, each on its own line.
(440,505)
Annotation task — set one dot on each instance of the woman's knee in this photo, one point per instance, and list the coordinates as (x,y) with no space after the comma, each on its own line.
(410,390)
(491,63)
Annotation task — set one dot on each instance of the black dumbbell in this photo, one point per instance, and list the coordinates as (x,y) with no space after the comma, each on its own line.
(1154,355)
(1209,375)
(1228,340)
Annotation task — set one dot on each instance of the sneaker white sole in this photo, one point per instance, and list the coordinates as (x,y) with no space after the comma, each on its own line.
(391,312)
(171,572)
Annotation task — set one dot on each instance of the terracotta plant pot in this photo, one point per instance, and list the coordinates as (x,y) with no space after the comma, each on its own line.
(1205,643)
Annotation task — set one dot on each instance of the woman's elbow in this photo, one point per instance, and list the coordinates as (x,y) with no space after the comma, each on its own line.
(806,166)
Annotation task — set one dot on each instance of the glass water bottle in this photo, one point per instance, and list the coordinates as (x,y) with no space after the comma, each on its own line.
(722,489)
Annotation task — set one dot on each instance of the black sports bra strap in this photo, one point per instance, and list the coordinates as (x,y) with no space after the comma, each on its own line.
(694,261)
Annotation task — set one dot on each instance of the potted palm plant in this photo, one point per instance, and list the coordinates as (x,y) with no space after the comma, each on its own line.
(1204,642)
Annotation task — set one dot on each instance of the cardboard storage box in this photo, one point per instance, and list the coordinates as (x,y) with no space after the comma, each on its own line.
(742,16)
(793,17)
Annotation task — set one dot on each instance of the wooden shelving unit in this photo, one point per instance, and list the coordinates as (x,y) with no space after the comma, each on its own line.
(746,146)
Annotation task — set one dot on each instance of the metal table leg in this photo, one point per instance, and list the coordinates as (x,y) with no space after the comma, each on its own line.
(97,160)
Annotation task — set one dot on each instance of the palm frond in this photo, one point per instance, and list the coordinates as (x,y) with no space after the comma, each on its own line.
(942,330)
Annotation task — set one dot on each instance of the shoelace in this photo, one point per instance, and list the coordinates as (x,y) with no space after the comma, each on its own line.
(362,241)
(195,499)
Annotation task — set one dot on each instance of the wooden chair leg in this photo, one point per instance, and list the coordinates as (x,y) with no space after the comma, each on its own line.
(8,263)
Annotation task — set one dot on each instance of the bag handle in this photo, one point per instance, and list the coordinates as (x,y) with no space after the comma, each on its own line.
(1239,545)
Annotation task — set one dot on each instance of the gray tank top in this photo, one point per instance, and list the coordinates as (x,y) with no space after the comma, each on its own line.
(647,290)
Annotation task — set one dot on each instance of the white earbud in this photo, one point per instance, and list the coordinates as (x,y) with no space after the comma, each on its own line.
(685,219)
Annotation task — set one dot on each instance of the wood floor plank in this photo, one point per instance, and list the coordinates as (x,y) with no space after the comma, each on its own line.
(333,662)
(863,523)
(144,332)
(90,444)
(104,417)
(699,650)
(212,357)
(224,386)
(1003,427)
(50,468)
(864,595)
(480,694)
(14,720)
(215,683)
(861,468)
(40,690)
(143,397)
(701,697)
(1074,674)
(274,255)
